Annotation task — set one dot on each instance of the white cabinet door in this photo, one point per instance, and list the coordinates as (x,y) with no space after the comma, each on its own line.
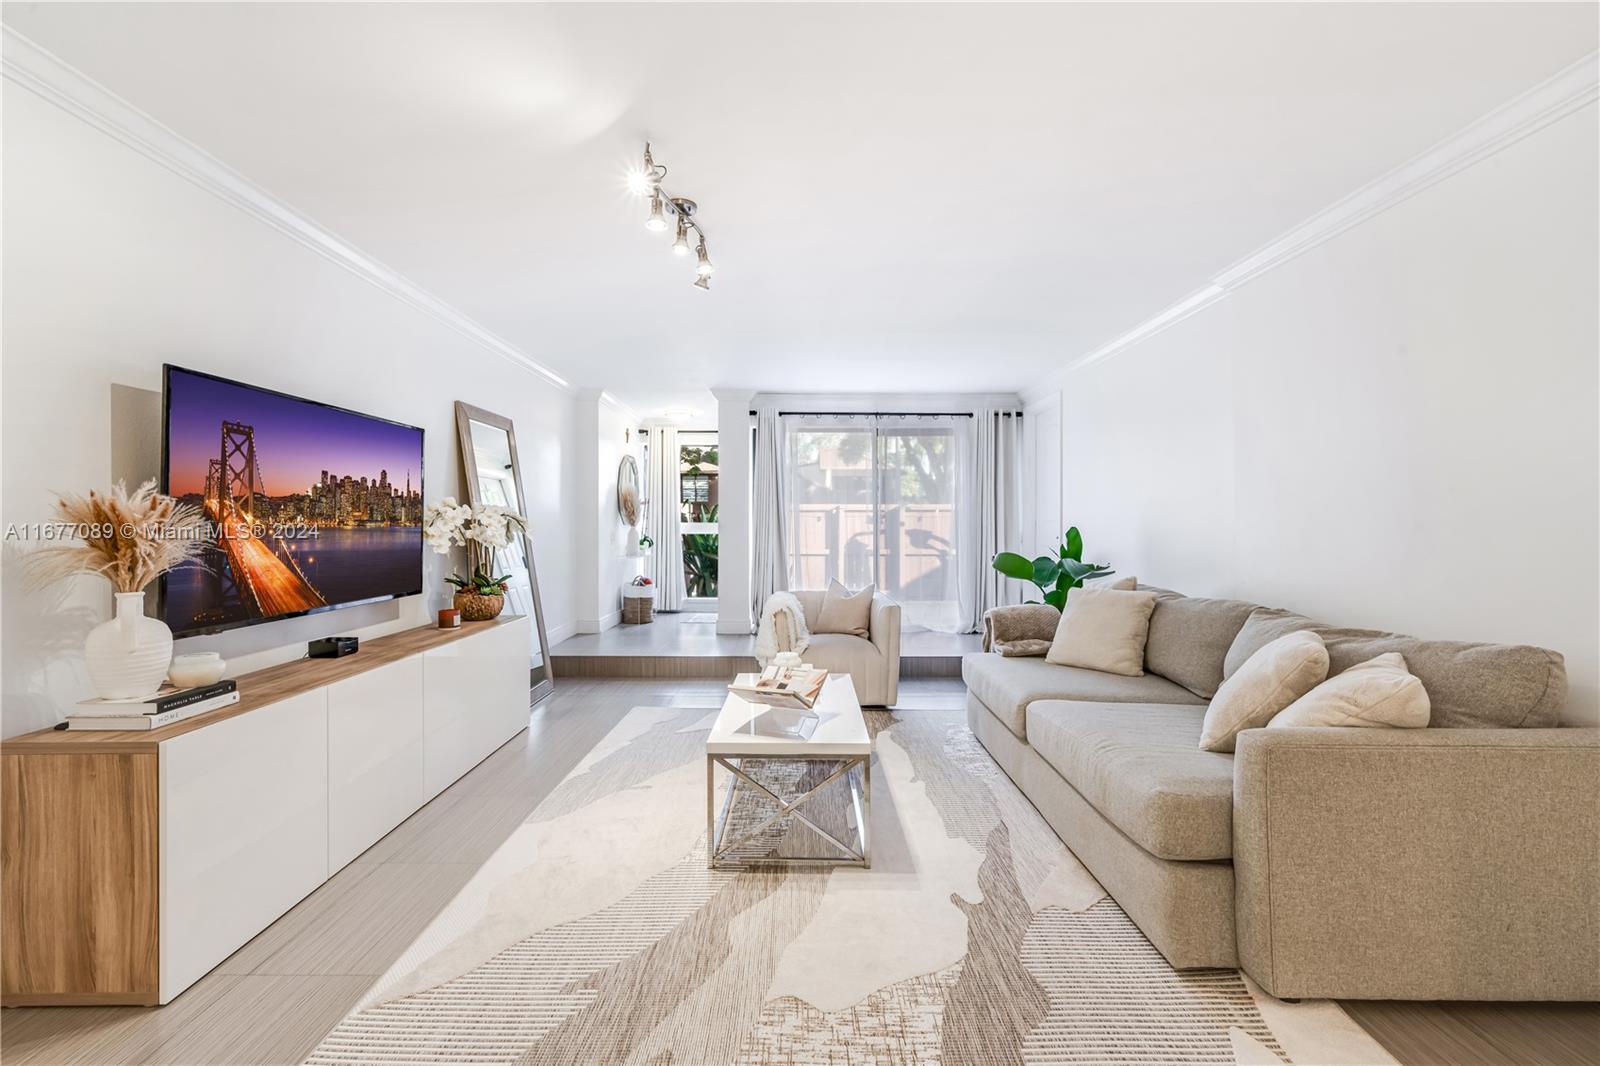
(374,756)
(475,699)
(244,830)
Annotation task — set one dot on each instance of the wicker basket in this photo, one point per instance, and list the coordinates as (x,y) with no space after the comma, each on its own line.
(638,607)
(476,608)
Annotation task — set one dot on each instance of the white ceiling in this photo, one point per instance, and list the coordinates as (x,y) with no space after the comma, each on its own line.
(899,197)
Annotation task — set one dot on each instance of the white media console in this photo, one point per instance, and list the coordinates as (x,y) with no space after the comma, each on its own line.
(139,862)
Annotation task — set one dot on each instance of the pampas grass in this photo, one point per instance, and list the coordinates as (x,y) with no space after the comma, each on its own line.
(128,539)
(628,498)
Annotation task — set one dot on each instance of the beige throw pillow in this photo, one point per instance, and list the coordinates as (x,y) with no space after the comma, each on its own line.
(1103,629)
(844,611)
(1270,680)
(1379,692)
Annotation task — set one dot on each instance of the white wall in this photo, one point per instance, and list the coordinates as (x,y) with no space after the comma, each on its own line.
(606,431)
(114,265)
(1397,429)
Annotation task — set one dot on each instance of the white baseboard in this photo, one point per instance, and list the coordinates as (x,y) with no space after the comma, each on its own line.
(556,634)
(598,625)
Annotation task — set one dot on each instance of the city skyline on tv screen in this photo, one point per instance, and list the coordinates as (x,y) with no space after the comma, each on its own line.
(310,506)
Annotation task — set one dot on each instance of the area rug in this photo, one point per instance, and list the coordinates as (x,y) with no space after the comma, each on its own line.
(596,934)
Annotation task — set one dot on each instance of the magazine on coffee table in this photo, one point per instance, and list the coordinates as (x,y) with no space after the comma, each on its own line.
(792,687)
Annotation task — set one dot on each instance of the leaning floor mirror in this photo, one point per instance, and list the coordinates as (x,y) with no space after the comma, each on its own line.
(493,476)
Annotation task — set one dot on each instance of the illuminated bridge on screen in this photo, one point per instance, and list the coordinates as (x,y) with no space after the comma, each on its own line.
(267,580)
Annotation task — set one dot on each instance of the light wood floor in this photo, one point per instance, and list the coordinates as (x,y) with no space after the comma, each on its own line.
(273,1000)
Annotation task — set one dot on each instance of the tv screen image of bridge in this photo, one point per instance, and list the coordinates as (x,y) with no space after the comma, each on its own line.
(269,581)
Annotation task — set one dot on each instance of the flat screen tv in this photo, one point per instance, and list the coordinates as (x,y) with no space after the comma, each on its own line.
(311,507)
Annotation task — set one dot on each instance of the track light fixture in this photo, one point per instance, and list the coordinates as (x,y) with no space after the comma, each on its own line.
(658,219)
(646,181)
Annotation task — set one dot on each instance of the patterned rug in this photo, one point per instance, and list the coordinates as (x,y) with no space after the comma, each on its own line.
(596,934)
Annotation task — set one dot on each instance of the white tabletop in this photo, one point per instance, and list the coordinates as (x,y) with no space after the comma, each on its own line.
(841,729)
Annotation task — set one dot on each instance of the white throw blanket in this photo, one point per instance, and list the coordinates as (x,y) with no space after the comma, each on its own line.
(767,643)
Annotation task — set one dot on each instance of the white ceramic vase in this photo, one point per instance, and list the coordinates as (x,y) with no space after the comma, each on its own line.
(128,656)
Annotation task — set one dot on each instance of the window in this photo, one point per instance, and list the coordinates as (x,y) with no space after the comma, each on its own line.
(872,499)
(697,494)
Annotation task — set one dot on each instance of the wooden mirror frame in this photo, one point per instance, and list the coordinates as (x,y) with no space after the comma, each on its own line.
(466,414)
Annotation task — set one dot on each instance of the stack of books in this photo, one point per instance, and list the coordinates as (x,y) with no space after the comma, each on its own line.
(164,708)
(795,687)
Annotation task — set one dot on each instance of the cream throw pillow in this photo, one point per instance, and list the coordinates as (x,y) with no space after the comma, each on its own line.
(844,611)
(1270,680)
(1379,692)
(1103,629)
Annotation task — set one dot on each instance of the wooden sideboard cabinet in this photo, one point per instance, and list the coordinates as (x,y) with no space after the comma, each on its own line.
(133,863)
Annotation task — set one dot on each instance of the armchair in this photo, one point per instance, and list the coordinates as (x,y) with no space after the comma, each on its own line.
(873,664)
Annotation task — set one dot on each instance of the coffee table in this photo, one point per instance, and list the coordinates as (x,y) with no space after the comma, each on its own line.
(840,737)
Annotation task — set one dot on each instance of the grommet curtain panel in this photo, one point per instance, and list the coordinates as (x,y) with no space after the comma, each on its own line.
(662,517)
(769,557)
(991,511)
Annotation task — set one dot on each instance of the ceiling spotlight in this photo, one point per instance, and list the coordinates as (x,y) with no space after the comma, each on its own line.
(647,181)
(703,282)
(657,220)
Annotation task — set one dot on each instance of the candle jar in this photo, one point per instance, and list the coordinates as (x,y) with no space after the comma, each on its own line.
(449,618)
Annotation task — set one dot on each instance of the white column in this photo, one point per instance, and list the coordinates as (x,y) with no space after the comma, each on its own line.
(733,513)
(587,435)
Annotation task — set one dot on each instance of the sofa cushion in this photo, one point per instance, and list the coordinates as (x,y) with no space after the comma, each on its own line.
(841,653)
(1140,765)
(1379,693)
(1470,685)
(846,612)
(1274,677)
(1008,686)
(1103,629)
(1190,637)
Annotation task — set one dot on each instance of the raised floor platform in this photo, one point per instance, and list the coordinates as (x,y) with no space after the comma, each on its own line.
(688,645)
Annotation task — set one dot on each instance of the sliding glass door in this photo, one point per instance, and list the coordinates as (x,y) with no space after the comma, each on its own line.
(872,499)
(917,522)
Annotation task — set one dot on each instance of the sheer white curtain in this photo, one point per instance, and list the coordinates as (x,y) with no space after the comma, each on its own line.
(769,557)
(873,499)
(661,520)
(991,510)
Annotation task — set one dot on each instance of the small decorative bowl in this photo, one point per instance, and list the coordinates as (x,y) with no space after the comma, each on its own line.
(196,668)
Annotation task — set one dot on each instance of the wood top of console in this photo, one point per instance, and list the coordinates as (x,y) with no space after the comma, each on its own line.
(256,689)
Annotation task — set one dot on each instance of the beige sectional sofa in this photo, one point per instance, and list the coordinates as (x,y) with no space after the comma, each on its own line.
(1461,861)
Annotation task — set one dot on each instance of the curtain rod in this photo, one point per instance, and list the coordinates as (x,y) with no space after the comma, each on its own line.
(891,414)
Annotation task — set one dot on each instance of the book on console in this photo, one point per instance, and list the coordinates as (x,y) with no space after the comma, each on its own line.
(164,708)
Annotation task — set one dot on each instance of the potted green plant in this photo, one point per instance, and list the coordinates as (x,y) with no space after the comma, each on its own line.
(1055,575)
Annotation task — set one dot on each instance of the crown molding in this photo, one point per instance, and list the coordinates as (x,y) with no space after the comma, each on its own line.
(1567,91)
(28,66)
(618,406)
